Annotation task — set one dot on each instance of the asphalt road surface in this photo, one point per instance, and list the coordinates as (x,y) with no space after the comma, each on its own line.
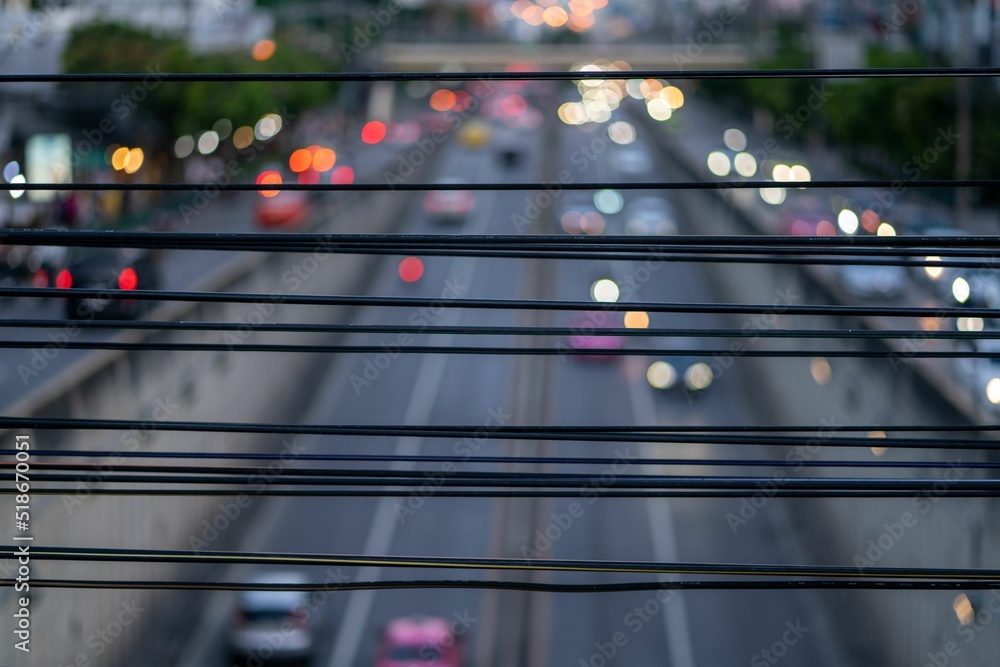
(681,630)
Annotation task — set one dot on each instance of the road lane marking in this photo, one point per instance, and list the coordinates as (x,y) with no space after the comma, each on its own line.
(418,411)
(661,527)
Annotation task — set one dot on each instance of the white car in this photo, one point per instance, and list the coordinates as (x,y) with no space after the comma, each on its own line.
(271,625)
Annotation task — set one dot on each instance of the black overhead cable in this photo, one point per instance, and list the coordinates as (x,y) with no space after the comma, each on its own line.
(84,554)
(728,435)
(507,187)
(416,302)
(534,586)
(472,330)
(558,350)
(479,459)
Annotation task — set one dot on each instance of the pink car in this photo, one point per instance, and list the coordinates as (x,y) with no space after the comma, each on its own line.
(586,335)
(419,641)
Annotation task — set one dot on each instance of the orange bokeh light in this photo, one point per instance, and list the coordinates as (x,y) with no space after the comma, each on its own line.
(300,160)
(269,178)
(263,49)
(555,17)
(442,100)
(324,159)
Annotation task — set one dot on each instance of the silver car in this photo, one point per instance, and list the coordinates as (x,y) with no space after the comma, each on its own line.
(271,625)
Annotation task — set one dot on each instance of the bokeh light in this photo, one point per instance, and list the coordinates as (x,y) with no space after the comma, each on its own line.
(604,290)
(208,142)
(268,126)
(10,170)
(621,132)
(773,196)
(342,175)
(324,159)
(17,180)
(300,160)
(411,269)
(134,160)
(661,375)
(373,132)
(820,370)
(442,100)
(608,202)
(636,319)
(184,146)
(735,140)
(848,221)
(718,163)
(263,50)
(119,158)
(658,109)
(269,177)
(243,137)
(745,164)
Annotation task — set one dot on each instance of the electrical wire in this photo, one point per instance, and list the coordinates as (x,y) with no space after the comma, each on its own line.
(85,554)
(480,459)
(532,586)
(498,304)
(735,435)
(561,350)
(821,184)
(433,330)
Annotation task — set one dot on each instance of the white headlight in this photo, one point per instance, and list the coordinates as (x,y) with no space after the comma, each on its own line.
(661,375)
(698,376)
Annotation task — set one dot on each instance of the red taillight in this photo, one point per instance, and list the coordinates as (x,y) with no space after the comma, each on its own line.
(433,202)
(40,278)
(127,279)
(410,269)
(299,618)
(64,279)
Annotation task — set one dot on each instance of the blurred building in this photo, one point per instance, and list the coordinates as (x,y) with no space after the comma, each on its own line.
(32,41)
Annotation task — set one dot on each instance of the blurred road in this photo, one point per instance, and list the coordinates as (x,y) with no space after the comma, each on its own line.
(22,370)
(640,629)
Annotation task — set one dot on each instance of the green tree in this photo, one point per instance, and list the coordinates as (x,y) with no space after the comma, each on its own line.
(181,108)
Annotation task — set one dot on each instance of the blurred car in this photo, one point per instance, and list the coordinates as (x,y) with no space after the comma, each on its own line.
(873,281)
(687,374)
(650,216)
(587,336)
(631,160)
(449,206)
(579,215)
(804,214)
(288,208)
(984,288)
(983,373)
(475,133)
(272,620)
(938,278)
(111,269)
(419,640)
